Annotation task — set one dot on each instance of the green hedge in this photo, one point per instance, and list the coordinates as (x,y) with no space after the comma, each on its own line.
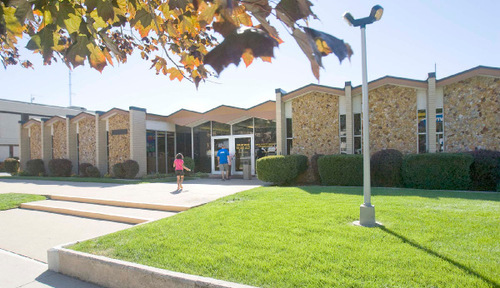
(485,171)
(281,170)
(35,167)
(11,165)
(341,170)
(437,171)
(189,163)
(385,168)
(60,167)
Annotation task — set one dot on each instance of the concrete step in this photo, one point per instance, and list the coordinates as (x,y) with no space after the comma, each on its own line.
(96,211)
(161,207)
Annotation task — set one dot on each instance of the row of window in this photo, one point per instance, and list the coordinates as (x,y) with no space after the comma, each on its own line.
(421,132)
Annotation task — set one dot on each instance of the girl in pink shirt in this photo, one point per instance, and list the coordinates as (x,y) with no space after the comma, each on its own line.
(179,170)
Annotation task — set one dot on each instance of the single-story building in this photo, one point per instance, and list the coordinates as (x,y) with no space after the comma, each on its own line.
(457,113)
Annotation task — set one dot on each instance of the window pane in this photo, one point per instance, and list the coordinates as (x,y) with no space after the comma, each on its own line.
(219,129)
(202,148)
(183,140)
(265,134)
(289,131)
(439,120)
(343,127)
(170,151)
(357,124)
(289,146)
(440,143)
(357,145)
(343,145)
(421,121)
(151,152)
(243,127)
(422,147)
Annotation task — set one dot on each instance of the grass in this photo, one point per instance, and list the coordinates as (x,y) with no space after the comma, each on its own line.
(304,237)
(13,200)
(96,180)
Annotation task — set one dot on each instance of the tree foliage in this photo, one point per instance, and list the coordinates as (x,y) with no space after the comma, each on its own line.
(179,37)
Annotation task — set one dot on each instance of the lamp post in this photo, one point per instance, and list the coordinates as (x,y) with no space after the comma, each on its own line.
(367,210)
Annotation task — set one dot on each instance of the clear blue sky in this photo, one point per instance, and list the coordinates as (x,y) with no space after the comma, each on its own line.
(408,41)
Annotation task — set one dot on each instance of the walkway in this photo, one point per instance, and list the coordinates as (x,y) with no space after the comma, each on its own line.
(27,234)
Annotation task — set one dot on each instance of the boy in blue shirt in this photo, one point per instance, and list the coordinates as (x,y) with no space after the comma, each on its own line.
(222,155)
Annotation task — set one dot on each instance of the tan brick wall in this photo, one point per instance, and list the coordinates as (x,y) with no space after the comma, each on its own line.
(35,141)
(59,140)
(393,113)
(86,137)
(119,145)
(472,114)
(315,126)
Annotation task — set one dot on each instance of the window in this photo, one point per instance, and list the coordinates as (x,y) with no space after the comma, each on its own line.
(243,127)
(219,129)
(421,130)
(202,147)
(289,136)
(357,133)
(265,135)
(343,134)
(439,130)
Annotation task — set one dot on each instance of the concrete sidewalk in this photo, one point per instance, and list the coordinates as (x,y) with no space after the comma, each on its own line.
(26,235)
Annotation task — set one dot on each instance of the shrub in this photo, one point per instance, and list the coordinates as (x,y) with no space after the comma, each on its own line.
(341,170)
(118,170)
(92,171)
(11,165)
(82,169)
(485,171)
(131,168)
(437,171)
(35,167)
(189,162)
(60,167)
(281,170)
(385,168)
(2,167)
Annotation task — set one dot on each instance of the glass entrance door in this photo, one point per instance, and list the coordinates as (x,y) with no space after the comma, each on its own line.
(240,148)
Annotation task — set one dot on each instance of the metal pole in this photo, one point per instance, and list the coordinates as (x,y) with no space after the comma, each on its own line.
(69,87)
(367,211)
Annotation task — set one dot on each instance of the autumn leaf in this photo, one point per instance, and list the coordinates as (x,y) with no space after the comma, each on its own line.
(247,57)
(326,44)
(235,44)
(289,11)
(23,11)
(105,10)
(175,74)
(78,51)
(309,49)
(97,58)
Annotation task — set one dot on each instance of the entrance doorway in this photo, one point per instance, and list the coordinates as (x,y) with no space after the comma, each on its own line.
(241,147)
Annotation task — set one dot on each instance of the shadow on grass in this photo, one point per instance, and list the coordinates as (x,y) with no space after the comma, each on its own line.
(389,191)
(433,253)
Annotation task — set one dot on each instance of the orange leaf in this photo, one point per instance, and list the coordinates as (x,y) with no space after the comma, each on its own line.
(175,73)
(247,57)
(266,59)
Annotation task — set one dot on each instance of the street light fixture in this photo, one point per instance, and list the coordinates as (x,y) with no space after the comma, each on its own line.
(367,210)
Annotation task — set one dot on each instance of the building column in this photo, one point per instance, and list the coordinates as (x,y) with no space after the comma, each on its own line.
(24,146)
(46,143)
(280,123)
(138,138)
(71,151)
(349,124)
(101,144)
(431,113)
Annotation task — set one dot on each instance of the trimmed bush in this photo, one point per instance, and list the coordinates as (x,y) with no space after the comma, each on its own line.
(11,165)
(189,162)
(35,167)
(118,170)
(82,169)
(131,168)
(437,171)
(385,168)
(281,170)
(92,171)
(341,170)
(60,167)
(485,171)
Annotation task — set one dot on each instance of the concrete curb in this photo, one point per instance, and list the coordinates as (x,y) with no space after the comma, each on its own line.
(171,208)
(114,273)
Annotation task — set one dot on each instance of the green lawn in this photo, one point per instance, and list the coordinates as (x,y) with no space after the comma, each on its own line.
(304,237)
(13,200)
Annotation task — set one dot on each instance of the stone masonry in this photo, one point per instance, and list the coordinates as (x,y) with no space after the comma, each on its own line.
(35,141)
(86,138)
(59,140)
(472,114)
(119,145)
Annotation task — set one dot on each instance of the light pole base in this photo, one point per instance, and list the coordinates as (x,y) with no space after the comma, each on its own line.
(366,216)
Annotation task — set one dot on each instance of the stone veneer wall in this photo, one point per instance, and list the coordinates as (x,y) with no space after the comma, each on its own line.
(86,138)
(36,141)
(59,140)
(472,114)
(393,119)
(119,145)
(315,126)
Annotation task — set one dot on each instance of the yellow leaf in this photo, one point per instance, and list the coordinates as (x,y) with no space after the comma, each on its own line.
(97,58)
(247,57)
(207,12)
(11,22)
(323,47)
(266,59)
(175,73)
